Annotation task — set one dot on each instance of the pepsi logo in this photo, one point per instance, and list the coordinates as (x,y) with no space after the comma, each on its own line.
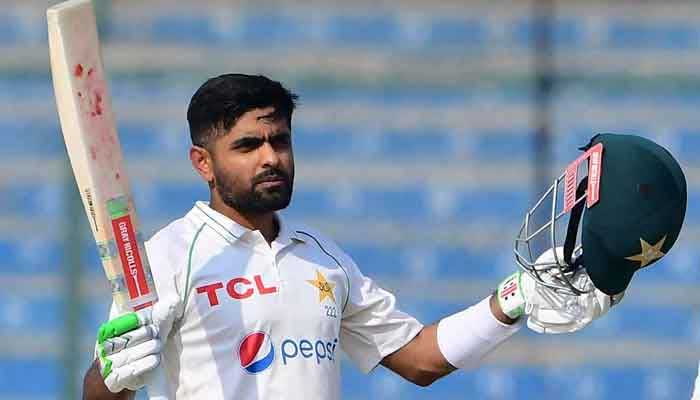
(256,352)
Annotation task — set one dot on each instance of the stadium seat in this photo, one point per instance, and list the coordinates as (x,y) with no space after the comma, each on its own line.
(26,199)
(567,33)
(366,30)
(38,137)
(669,35)
(39,378)
(273,29)
(184,29)
(10,29)
(31,256)
(20,315)
(452,31)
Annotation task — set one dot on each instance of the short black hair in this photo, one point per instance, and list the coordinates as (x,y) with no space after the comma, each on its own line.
(218,104)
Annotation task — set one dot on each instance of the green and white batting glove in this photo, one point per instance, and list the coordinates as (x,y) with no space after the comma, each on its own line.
(549,311)
(129,346)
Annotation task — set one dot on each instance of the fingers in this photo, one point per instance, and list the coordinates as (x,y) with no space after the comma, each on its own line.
(162,315)
(131,376)
(129,339)
(118,326)
(135,354)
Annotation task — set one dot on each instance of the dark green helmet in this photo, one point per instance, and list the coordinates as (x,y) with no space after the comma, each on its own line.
(631,202)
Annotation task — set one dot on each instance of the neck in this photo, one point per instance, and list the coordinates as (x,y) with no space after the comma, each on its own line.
(266,223)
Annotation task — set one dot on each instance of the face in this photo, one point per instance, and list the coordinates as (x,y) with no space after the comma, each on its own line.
(252,166)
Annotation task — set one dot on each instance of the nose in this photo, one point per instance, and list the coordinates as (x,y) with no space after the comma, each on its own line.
(268,155)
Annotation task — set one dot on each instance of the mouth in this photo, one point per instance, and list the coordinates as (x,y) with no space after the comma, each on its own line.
(271,181)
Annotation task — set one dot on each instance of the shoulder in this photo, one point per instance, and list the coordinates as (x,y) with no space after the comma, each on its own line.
(324,243)
(171,244)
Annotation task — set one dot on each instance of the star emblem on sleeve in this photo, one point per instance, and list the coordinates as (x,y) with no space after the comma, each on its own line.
(325,288)
(649,252)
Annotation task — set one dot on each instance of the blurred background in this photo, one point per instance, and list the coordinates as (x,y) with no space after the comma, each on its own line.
(425,131)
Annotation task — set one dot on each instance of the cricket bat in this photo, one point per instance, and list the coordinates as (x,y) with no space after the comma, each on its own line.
(89,131)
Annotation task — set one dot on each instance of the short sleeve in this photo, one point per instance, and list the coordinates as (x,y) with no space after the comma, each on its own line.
(372,327)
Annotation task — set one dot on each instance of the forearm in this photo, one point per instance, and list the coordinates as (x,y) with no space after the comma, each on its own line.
(463,339)
(420,360)
(94,387)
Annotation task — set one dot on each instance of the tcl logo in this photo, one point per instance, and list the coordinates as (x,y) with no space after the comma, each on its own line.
(237,288)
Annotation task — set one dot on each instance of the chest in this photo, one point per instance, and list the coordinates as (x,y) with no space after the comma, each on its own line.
(293,293)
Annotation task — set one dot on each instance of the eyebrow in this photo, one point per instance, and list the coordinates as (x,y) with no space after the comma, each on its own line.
(252,135)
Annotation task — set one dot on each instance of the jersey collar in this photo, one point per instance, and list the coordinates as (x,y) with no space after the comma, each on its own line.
(233,231)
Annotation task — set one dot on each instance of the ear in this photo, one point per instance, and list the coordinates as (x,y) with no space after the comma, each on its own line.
(202,163)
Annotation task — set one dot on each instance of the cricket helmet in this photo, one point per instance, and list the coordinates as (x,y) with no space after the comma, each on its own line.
(617,208)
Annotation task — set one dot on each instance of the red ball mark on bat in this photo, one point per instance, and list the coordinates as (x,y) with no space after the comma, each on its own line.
(80,94)
(98,103)
(117,176)
(78,70)
(93,153)
(90,71)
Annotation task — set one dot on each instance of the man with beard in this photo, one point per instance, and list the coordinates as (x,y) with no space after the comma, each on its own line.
(255,308)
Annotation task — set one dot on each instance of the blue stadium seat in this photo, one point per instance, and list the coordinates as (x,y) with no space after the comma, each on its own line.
(31,256)
(689,144)
(504,205)
(274,29)
(32,86)
(10,29)
(139,138)
(366,30)
(31,377)
(387,96)
(420,143)
(567,32)
(168,199)
(306,202)
(410,204)
(577,382)
(95,313)
(406,204)
(28,199)
(32,136)
(453,31)
(657,35)
(125,30)
(437,262)
(507,145)
(185,29)
(319,142)
(21,315)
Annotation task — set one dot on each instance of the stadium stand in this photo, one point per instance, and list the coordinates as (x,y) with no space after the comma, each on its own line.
(414,141)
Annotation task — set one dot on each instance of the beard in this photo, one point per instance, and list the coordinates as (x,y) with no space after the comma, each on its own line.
(256,199)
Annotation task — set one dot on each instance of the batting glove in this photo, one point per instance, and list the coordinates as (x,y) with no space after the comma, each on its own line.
(549,311)
(129,346)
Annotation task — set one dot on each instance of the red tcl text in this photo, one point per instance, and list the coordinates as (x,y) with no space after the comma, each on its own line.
(238,288)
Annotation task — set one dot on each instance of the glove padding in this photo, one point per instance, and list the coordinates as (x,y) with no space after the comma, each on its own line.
(129,346)
(553,312)
(549,311)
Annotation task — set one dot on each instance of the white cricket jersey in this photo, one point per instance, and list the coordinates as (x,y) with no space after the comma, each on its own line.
(263,321)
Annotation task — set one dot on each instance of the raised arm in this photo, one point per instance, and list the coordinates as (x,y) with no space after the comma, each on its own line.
(421,360)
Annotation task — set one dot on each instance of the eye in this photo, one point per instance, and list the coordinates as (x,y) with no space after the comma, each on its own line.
(282,140)
(247,144)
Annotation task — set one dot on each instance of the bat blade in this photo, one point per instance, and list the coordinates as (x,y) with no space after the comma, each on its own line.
(89,131)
